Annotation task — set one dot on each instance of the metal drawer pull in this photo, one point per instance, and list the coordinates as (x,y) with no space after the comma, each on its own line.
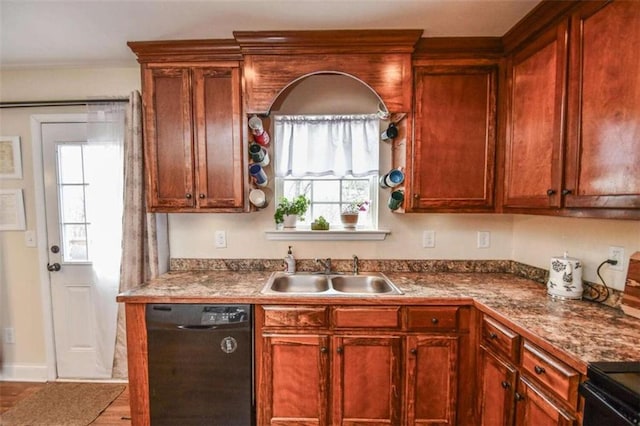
(339,349)
(323,350)
(493,335)
(188,196)
(413,351)
(518,397)
(201,196)
(538,369)
(505,385)
(434,320)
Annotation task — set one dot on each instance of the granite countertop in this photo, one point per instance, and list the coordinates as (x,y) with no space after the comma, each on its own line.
(584,331)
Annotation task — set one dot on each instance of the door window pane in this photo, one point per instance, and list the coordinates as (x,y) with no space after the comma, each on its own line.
(72,186)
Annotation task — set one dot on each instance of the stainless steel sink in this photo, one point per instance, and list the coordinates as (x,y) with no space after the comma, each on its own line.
(295,283)
(329,284)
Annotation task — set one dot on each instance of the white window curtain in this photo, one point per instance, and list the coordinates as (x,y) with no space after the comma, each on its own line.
(104,154)
(326,145)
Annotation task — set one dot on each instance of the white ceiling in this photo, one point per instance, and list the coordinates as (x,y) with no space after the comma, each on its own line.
(39,33)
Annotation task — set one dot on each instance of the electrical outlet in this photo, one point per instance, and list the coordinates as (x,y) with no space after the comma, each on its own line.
(9,336)
(616,253)
(221,239)
(484,239)
(428,239)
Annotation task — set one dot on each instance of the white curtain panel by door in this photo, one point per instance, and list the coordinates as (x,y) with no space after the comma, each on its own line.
(326,145)
(105,137)
(140,240)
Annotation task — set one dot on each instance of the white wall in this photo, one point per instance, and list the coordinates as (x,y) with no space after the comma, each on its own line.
(527,239)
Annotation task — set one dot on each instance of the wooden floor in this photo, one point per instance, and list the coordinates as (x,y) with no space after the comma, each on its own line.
(116,414)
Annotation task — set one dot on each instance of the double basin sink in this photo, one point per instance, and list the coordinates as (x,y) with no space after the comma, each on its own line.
(314,284)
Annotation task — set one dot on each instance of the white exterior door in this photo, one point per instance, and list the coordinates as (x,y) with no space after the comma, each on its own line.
(83,300)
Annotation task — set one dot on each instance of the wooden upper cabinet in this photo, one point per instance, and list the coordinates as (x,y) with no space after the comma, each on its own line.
(537,88)
(603,156)
(453,151)
(219,170)
(380,59)
(193,134)
(168,137)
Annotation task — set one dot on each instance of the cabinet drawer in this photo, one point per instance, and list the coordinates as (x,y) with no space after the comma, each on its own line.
(295,316)
(500,339)
(558,377)
(347,317)
(436,318)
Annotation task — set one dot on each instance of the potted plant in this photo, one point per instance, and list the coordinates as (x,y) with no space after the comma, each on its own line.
(320,224)
(351,212)
(289,211)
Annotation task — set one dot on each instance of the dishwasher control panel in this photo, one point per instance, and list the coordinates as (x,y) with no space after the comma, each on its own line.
(214,315)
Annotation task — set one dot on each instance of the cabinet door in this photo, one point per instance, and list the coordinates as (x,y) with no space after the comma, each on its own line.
(294,382)
(498,386)
(168,137)
(431,378)
(219,166)
(603,158)
(537,83)
(455,132)
(535,408)
(366,380)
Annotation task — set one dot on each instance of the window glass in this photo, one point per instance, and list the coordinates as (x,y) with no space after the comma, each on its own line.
(318,156)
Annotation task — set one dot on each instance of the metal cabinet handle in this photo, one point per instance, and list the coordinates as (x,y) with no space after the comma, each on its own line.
(201,196)
(339,349)
(566,191)
(323,349)
(518,397)
(188,195)
(413,351)
(551,192)
(505,384)
(434,320)
(538,369)
(493,336)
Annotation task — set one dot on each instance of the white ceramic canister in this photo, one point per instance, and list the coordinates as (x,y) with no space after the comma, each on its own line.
(565,277)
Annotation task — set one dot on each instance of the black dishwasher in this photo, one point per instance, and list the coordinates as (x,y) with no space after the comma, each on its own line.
(200,364)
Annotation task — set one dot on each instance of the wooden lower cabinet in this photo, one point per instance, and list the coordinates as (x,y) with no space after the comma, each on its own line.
(431,379)
(347,372)
(366,380)
(294,382)
(535,408)
(497,393)
(520,384)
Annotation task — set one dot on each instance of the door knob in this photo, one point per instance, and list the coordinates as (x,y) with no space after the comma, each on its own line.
(55,267)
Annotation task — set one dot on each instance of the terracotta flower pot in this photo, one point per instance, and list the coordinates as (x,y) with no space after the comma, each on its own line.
(349,220)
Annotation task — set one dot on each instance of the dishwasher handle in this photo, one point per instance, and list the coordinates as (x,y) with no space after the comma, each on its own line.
(197,327)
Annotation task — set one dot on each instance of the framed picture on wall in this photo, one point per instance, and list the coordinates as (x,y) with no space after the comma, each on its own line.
(10,157)
(11,210)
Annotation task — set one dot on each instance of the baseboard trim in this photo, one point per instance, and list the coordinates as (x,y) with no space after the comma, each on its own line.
(23,372)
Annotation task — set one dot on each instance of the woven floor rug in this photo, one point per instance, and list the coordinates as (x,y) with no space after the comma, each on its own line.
(63,404)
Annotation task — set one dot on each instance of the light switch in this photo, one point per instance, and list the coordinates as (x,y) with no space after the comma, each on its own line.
(30,238)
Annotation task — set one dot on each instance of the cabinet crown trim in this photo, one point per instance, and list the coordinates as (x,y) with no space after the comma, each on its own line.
(330,41)
(185,50)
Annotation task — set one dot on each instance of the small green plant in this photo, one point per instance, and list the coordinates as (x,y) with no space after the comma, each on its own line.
(298,206)
(320,224)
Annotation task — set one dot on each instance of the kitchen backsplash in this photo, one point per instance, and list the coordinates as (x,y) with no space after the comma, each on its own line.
(389,265)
